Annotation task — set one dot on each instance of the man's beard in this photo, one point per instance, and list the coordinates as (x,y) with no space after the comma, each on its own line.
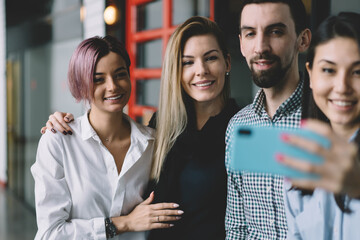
(269,78)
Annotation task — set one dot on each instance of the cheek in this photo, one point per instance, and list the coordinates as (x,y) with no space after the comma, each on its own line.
(185,77)
(320,89)
(125,84)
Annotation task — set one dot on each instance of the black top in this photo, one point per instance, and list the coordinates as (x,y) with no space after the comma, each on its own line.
(194,176)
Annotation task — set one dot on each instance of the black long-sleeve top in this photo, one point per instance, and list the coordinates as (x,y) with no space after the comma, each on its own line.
(194,176)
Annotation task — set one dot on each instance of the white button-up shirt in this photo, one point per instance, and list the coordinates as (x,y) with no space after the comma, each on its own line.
(77,184)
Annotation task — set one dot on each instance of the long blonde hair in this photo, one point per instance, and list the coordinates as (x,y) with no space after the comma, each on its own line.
(171,119)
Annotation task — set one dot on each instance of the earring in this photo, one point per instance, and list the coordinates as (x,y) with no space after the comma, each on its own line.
(227,73)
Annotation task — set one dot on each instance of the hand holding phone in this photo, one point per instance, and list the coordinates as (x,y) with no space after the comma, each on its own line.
(254,149)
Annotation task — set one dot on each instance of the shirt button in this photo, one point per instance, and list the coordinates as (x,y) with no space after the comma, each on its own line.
(336,230)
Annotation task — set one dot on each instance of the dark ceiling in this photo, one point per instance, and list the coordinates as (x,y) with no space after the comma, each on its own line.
(19,11)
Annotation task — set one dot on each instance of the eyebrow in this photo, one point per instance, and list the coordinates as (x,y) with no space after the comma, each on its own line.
(207,53)
(274,25)
(333,63)
(117,70)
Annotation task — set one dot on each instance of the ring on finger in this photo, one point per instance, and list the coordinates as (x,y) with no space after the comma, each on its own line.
(158,218)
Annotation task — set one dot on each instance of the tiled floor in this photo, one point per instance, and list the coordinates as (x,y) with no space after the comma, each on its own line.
(16,220)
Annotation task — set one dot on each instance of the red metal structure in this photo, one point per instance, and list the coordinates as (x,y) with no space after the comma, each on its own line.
(135,37)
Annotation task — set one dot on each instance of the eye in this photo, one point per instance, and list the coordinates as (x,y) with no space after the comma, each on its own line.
(212,58)
(328,70)
(249,34)
(187,63)
(357,72)
(277,32)
(121,75)
(98,79)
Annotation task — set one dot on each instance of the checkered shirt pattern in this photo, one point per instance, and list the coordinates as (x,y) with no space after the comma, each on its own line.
(255,206)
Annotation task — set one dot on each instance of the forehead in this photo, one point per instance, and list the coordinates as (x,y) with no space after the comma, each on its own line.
(201,43)
(264,14)
(329,51)
(110,61)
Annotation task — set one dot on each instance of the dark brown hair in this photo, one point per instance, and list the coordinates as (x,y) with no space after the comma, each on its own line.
(297,10)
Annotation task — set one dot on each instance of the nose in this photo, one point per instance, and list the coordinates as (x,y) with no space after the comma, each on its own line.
(342,85)
(261,44)
(111,84)
(201,68)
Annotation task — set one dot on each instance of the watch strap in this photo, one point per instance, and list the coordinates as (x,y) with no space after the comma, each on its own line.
(110,228)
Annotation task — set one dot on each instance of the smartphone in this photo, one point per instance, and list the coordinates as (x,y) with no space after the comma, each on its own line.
(254,149)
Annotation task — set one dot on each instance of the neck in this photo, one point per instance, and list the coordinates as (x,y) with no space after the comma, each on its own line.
(276,95)
(345,131)
(109,126)
(206,110)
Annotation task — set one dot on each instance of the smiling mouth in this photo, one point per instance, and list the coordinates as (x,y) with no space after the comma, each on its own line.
(204,84)
(114,98)
(343,103)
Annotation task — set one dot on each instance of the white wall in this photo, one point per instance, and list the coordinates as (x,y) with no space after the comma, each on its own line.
(3,125)
(348,5)
(94,24)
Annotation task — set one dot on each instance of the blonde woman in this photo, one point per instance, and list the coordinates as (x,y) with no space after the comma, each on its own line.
(194,109)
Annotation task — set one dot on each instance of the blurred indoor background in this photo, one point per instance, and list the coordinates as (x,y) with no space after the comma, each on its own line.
(37,38)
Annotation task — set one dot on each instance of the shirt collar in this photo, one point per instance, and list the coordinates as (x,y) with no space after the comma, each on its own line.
(352,138)
(286,108)
(139,133)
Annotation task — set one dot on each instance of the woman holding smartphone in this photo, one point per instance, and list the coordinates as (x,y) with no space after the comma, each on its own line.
(328,207)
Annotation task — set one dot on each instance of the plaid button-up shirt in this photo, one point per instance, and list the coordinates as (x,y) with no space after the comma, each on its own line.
(255,205)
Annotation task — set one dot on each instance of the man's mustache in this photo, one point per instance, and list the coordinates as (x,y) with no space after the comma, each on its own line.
(264,56)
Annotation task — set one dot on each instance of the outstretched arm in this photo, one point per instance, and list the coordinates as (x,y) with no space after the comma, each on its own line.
(340,172)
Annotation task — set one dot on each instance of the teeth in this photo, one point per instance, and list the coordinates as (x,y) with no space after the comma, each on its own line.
(114,98)
(203,84)
(342,103)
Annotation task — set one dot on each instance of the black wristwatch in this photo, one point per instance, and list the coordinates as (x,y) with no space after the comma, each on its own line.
(110,228)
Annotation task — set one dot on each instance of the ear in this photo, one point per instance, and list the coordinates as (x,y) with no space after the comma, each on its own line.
(240,42)
(308,69)
(228,63)
(304,40)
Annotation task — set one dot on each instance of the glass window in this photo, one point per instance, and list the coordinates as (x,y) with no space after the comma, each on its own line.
(149,16)
(183,9)
(149,54)
(147,92)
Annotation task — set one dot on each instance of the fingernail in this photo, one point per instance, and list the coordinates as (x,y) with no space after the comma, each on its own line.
(178,218)
(53,130)
(69,132)
(176,205)
(171,225)
(279,157)
(180,211)
(284,137)
(302,122)
(64,132)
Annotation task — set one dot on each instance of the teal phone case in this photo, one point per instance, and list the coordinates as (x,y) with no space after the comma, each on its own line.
(254,150)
